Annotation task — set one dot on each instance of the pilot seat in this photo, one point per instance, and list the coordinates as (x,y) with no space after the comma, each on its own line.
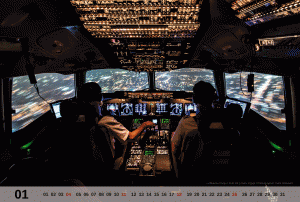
(211,156)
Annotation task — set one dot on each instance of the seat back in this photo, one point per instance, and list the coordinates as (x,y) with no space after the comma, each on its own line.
(234,113)
(209,155)
(74,154)
(101,147)
(82,149)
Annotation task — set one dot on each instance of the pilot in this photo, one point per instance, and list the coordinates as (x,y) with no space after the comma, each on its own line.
(91,93)
(203,96)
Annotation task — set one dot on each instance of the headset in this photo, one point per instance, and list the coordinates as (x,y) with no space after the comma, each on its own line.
(205,94)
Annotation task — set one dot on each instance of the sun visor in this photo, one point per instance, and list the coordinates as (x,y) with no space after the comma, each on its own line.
(68,43)
(11,53)
(62,50)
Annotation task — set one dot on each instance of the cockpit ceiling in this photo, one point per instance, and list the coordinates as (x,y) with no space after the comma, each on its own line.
(140,18)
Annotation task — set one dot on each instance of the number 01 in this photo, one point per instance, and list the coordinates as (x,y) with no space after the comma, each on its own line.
(18,194)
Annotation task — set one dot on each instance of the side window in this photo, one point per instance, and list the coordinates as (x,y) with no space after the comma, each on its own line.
(267,98)
(28,105)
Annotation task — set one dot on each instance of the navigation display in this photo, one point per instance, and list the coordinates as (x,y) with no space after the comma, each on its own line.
(136,123)
(141,109)
(242,104)
(176,109)
(126,109)
(190,108)
(113,108)
(156,123)
(165,124)
(148,152)
(162,108)
(56,109)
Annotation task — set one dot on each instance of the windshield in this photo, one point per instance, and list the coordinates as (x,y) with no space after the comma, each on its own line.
(111,80)
(183,79)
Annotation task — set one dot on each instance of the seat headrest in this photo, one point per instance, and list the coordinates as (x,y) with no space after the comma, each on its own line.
(67,110)
(235,111)
(78,112)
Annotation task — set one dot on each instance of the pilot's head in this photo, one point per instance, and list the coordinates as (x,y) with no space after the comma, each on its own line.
(91,93)
(204,94)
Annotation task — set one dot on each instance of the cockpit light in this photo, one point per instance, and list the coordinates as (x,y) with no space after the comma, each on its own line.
(276,146)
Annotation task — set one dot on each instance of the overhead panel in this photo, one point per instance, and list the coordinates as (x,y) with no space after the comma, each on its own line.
(279,47)
(151,55)
(287,41)
(254,12)
(145,35)
(140,18)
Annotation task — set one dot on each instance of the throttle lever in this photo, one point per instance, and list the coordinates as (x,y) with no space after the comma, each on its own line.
(146,137)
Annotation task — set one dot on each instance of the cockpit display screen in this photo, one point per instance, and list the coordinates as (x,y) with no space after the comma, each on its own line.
(161,108)
(165,124)
(126,109)
(141,109)
(136,123)
(190,108)
(176,109)
(56,109)
(166,121)
(113,108)
(155,122)
(149,152)
(242,104)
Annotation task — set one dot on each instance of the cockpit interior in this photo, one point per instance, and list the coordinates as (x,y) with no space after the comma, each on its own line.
(147,55)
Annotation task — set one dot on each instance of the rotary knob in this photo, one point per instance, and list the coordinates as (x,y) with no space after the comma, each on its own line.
(147,167)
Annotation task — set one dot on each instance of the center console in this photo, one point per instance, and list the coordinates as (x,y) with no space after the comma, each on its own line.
(150,156)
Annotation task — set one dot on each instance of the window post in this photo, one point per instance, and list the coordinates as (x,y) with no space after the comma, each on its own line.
(79,81)
(220,84)
(293,93)
(288,103)
(7,84)
(151,80)
(2,107)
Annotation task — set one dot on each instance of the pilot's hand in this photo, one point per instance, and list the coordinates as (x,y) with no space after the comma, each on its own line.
(148,124)
(141,136)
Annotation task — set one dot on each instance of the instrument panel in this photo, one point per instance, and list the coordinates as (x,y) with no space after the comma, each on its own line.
(154,103)
(126,109)
(144,95)
(162,124)
(148,108)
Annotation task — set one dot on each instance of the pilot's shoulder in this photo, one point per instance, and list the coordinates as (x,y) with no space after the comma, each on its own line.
(185,119)
(185,116)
